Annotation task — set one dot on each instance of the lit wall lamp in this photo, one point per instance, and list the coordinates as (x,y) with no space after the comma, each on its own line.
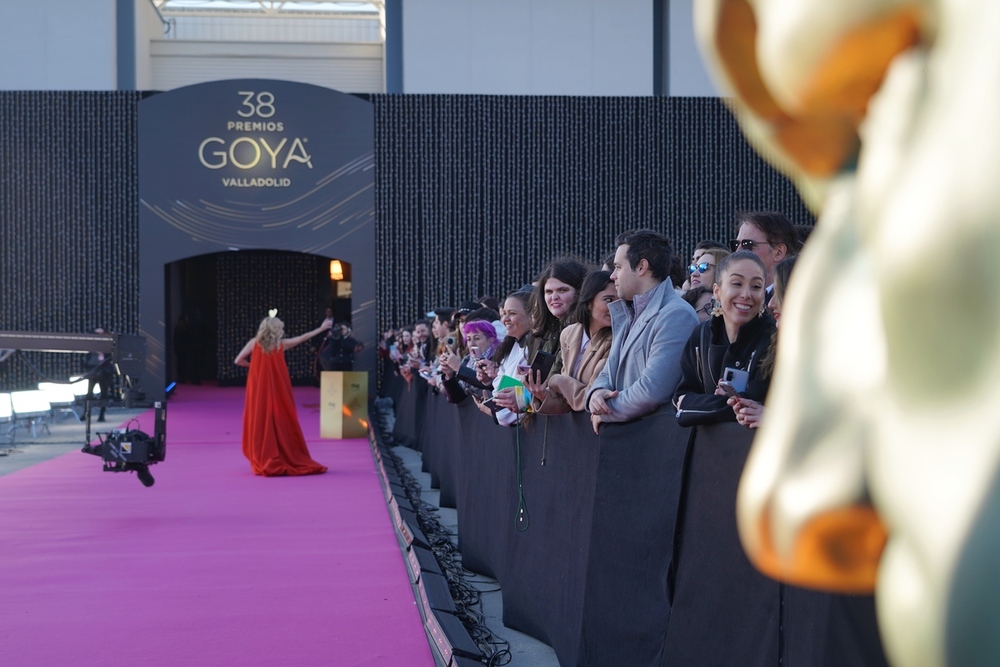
(336,270)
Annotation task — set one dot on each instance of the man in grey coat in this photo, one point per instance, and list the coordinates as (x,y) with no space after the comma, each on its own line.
(650,325)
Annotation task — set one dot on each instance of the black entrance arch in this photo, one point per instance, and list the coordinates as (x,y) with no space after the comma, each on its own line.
(254,164)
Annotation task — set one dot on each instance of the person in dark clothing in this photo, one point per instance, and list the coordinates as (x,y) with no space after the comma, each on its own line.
(336,352)
(729,347)
(100,377)
(481,341)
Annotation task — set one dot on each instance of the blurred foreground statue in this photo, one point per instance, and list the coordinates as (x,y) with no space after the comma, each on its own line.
(877,461)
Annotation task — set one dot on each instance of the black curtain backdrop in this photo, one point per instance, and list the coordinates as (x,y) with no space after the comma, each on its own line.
(69,233)
(473,195)
(250,283)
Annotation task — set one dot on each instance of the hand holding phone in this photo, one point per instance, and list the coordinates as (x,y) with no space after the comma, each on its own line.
(729,389)
(542,363)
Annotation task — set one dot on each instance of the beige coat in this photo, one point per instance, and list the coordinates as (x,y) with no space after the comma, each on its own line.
(568,393)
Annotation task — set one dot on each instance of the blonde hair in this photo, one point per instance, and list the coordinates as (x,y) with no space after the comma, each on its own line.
(718,253)
(270,332)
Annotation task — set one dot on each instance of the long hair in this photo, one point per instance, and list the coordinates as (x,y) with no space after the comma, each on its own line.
(593,284)
(782,274)
(718,254)
(564,269)
(269,333)
(402,347)
(524,296)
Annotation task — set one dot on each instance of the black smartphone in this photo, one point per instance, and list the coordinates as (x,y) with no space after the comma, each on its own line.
(542,363)
(491,403)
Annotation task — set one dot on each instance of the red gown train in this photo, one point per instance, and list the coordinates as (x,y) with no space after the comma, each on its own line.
(272,436)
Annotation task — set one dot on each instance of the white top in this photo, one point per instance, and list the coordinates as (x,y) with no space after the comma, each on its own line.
(517,357)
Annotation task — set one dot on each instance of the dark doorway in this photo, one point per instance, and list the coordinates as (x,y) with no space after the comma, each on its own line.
(214,304)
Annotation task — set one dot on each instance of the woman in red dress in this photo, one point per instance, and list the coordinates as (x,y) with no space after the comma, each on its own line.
(272,436)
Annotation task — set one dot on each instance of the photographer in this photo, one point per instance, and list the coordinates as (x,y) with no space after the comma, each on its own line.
(100,378)
(336,352)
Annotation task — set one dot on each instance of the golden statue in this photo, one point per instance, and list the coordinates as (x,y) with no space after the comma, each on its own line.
(876,464)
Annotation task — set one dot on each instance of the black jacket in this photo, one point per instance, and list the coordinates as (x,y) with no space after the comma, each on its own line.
(457,387)
(336,353)
(702,366)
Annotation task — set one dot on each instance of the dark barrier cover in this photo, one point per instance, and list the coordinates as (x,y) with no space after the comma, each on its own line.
(409,413)
(546,563)
(430,450)
(724,611)
(486,490)
(587,571)
(595,548)
(635,510)
(825,630)
(440,457)
(392,385)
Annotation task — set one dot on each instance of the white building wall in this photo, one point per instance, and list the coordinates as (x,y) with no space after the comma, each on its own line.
(349,68)
(501,47)
(528,47)
(148,27)
(687,76)
(58,45)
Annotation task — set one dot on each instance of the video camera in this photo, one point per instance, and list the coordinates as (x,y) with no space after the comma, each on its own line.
(132,450)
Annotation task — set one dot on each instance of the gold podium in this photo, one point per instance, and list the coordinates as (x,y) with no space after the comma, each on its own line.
(343,409)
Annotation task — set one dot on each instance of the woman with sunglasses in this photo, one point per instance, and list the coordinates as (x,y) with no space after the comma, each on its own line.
(703,263)
(732,343)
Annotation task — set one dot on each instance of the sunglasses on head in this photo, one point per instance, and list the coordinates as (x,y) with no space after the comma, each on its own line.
(700,268)
(745,244)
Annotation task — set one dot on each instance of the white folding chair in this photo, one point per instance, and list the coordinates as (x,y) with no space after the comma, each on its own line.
(30,408)
(79,387)
(61,398)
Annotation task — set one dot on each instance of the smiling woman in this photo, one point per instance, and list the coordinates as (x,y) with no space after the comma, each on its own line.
(555,303)
(722,357)
(584,346)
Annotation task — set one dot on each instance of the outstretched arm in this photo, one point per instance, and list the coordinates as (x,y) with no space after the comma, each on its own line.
(241,358)
(289,343)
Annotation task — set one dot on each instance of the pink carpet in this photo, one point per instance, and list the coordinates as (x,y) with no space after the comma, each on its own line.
(210,566)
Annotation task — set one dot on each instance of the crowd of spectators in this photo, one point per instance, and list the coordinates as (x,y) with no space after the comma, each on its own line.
(634,338)
(618,341)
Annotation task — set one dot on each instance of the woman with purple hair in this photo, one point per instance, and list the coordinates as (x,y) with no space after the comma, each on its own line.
(481,341)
